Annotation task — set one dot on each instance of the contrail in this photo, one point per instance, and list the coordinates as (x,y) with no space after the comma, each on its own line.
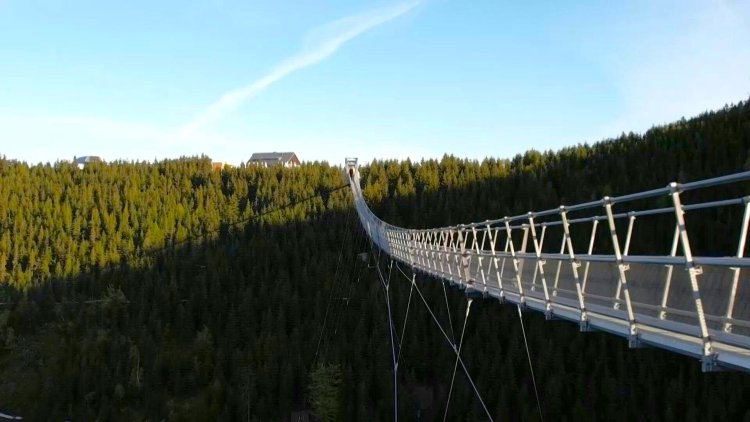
(337,34)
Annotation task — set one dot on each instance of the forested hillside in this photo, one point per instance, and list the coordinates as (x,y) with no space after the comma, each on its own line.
(150,291)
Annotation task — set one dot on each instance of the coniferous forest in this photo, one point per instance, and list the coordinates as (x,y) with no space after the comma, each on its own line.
(169,291)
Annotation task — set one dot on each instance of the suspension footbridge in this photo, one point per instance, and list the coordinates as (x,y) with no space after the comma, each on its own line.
(697,306)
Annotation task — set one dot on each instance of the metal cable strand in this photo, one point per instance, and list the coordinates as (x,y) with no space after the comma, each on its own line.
(330,297)
(448,308)
(458,356)
(350,278)
(455,366)
(390,331)
(403,327)
(531,368)
(349,298)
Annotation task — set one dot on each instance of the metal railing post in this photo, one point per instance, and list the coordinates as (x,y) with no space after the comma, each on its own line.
(631,222)
(431,264)
(670,271)
(622,269)
(506,250)
(436,250)
(574,264)
(693,272)
(590,250)
(454,248)
(536,270)
(559,267)
(540,265)
(493,242)
(450,251)
(480,259)
(412,248)
(736,270)
(516,266)
(462,273)
(441,249)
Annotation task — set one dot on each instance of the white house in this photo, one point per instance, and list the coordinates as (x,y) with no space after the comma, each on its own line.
(267,159)
(81,162)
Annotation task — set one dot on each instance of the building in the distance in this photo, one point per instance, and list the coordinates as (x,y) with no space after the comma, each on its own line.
(268,159)
(82,162)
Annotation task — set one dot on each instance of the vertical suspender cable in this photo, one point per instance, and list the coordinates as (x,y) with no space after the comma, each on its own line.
(455,366)
(386,285)
(337,317)
(335,280)
(403,327)
(531,367)
(450,319)
(458,356)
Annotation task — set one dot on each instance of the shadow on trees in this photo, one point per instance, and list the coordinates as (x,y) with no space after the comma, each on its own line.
(228,328)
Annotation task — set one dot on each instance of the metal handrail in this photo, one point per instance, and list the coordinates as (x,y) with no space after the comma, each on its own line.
(444,251)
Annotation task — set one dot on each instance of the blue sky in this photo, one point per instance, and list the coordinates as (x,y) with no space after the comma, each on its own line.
(374,79)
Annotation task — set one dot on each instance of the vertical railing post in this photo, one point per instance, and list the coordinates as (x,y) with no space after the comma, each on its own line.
(540,266)
(388,241)
(536,269)
(401,241)
(506,250)
(474,244)
(480,259)
(435,250)
(431,265)
(693,272)
(395,242)
(574,264)
(493,242)
(446,238)
(524,243)
(670,271)
(412,248)
(404,247)
(452,248)
(455,248)
(418,245)
(441,249)
(415,247)
(462,239)
(516,266)
(626,250)
(590,250)
(559,268)
(736,270)
(485,274)
(622,268)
